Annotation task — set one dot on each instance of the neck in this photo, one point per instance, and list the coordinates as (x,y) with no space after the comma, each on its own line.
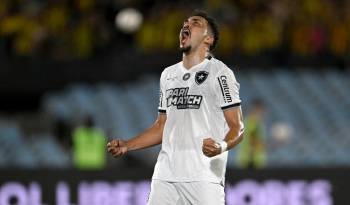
(193,58)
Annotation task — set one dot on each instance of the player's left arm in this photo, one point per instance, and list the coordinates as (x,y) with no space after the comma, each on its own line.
(234,119)
(227,94)
(233,137)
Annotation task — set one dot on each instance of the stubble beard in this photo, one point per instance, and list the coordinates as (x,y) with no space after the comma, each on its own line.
(185,50)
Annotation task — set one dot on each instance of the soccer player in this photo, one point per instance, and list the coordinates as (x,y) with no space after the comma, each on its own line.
(199,120)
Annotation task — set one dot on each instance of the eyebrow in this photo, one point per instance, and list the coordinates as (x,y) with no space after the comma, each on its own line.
(196,19)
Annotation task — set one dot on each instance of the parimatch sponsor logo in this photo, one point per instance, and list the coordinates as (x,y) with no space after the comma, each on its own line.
(225,89)
(160,98)
(180,98)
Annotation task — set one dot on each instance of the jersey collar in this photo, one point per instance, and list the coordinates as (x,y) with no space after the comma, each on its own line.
(195,67)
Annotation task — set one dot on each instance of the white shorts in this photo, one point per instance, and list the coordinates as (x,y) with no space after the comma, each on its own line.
(186,193)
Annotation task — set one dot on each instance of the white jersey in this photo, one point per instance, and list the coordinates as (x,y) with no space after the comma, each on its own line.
(193,101)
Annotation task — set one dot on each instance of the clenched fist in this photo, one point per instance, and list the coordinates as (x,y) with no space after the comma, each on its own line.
(117,147)
(210,148)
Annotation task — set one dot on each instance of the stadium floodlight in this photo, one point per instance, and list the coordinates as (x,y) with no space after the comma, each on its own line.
(128,20)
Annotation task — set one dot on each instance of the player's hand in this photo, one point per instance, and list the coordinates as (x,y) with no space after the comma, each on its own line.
(210,148)
(117,148)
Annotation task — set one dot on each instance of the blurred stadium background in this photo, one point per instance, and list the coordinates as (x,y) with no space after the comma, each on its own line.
(67,63)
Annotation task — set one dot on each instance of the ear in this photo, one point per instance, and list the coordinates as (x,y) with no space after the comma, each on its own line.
(209,39)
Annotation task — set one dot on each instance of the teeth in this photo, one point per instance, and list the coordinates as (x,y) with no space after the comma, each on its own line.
(186,32)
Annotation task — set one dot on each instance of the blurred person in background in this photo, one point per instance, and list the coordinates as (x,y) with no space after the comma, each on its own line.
(199,120)
(252,151)
(89,145)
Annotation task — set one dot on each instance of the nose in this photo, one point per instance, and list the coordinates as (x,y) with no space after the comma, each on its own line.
(186,25)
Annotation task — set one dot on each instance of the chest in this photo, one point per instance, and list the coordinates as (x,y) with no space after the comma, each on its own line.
(180,84)
(188,90)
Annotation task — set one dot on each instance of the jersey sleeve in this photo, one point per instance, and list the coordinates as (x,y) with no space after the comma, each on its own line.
(162,99)
(227,89)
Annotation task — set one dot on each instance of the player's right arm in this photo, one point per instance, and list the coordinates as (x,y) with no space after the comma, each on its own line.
(148,138)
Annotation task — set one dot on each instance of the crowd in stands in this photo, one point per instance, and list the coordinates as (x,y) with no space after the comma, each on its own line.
(80,28)
(301,27)
(54,28)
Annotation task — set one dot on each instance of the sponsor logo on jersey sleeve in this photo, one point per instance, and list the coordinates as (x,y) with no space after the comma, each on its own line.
(225,90)
(160,98)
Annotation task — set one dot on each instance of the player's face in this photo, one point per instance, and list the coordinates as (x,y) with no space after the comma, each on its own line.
(193,33)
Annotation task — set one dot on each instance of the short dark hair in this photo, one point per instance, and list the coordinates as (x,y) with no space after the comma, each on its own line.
(212,24)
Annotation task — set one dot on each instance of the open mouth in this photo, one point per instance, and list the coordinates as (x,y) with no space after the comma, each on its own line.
(185,34)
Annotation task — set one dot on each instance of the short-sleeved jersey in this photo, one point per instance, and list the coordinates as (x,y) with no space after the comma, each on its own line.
(193,101)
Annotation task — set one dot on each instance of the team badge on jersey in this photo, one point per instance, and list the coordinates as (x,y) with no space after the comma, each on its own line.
(201,76)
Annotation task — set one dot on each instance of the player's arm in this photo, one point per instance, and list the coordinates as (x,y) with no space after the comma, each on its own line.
(227,89)
(148,138)
(234,136)
(234,121)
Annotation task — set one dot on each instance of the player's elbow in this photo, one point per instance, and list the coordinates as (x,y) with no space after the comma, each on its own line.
(237,128)
(240,137)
